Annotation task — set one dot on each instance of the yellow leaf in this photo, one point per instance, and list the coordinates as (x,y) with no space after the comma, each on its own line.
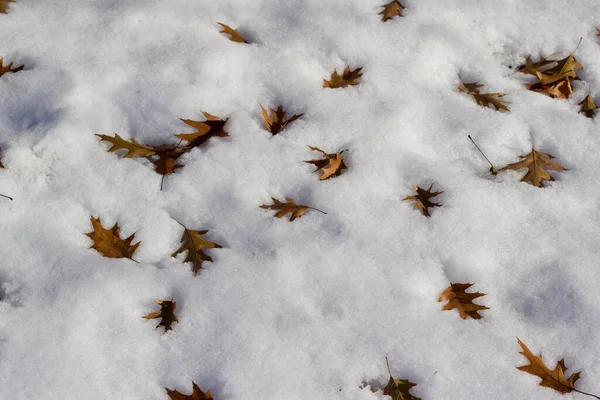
(588,106)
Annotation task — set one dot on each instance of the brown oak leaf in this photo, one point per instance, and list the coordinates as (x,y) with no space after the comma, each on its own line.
(197,394)
(588,106)
(536,163)
(194,244)
(8,68)
(391,10)
(234,35)
(133,148)
(459,299)
(4,9)
(166,313)
(288,207)
(483,99)
(109,243)
(348,78)
(554,85)
(213,126)
(277,122)
(398,389)
(554,379)
(422,199)
(331,165)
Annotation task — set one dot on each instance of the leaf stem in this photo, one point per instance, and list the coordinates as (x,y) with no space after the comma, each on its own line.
(388,366)
(8,197)
(587,394)
(493,169)
(316,209)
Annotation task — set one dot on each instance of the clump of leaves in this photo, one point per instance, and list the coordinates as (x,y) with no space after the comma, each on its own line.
(554,379)
(108,242)
(4,9)
(197,394)
(234,35)
(193,242)
(536,163)
(8,68)
(164,157)
(330,165)
(588,106)
(458,298)
(491,100)
(277,121)
(348,78)
(398,389)
(391,10)
(288,207)
(423,199)
(166,313)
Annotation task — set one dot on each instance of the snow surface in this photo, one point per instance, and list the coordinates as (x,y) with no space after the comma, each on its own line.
(309,309)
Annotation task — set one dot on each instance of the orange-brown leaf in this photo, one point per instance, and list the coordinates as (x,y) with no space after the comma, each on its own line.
(197,394)
(491,100)
(391,10)
(194,244)
(109,243)
(536,163)
(234,35)
(348,78)
(133,148)
(288,207)
(166,313)
(554,379)
(8,68)
(560,89)
(423,199)
(457,298)
(277,121)
(212,126)
(330,165)
(3,9)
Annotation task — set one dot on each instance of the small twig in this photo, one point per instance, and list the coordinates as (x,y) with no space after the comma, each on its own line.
(8,197)
(580,39)
(493,169)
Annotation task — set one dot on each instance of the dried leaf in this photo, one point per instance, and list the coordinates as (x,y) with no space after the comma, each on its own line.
(3,10)
(331,165)
(560,89)
(588,106)
(166,313)
(422,199)
(483,99)
(194,244)
(536,163)
(8,68)
(289,207)
(109,243)
(277,122)
(554,379)
(459,299)
(165,159)
(348,78)
(391,10)
(530,67)
(398,389)
(235,36)
(133,148)
(213,126)
(197,394)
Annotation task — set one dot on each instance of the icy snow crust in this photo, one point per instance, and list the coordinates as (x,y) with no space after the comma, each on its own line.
(309,309)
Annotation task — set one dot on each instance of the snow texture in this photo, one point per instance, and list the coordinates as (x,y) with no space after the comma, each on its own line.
(309,309)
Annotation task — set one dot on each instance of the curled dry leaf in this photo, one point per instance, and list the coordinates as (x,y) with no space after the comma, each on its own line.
(554,379)
(212,127)
(331,165)
(194,244)
(483,99)
(398,389)
(554,76)
(391,10)
(457,298)
(109,243)
(197,394)
(234,35)
(277,122)
(348,78)
(4,9)
(8,68)
(422,199)
(588,106)
(536,163)
(166,313)
(133,148)
(288,207)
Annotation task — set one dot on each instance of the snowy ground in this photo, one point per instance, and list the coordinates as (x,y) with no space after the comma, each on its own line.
(309,309)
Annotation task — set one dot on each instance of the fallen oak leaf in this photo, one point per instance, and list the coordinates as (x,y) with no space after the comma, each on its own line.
(288,207)
(197,394)
(193,242)
(109,243)
(348,78)
(398,389)
(235,36)
(483,99)
(560,89)
(391,10)
(4,10)
(422,199)
(536,163)
(458,298)
(588,106)
(277,122)
(8,68)
(133,147)
(331,165)
(166,313)
(211,127)
(530,67)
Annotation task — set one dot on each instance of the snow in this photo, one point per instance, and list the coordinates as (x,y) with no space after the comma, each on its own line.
(309,309)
